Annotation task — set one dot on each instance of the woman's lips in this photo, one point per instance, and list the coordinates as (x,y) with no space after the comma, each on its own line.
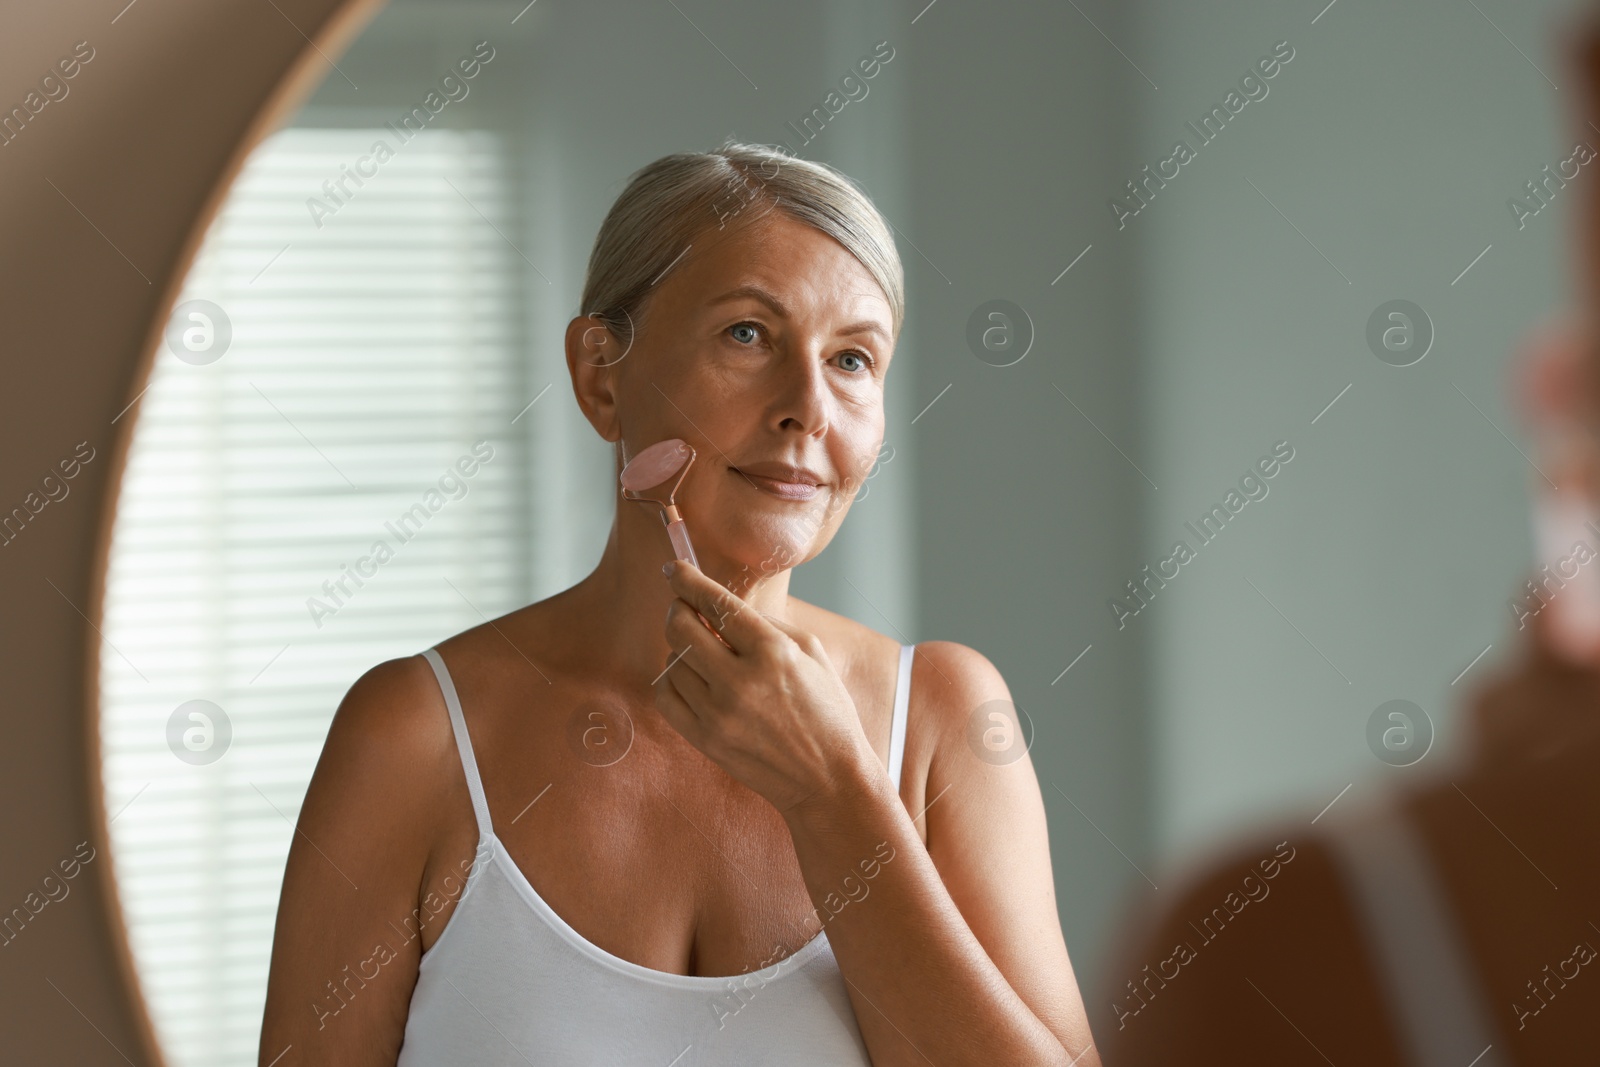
(783,490)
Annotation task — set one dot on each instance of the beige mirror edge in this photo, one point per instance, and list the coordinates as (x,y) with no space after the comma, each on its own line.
(108,190)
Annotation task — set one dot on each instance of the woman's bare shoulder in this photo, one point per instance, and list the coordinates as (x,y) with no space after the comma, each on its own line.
(394,710)
(364,837)
(388,755)
(951,681)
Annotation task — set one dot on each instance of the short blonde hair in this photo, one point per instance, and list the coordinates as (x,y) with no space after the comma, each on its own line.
(669,203)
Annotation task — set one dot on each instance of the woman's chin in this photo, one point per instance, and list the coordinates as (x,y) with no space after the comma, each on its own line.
(753,540)
(753,562)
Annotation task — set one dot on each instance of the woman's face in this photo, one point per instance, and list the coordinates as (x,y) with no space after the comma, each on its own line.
(765,348)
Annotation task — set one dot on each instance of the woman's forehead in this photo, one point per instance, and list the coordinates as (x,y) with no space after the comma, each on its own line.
(791,268)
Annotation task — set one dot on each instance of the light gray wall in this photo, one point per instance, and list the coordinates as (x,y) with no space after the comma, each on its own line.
(1383,558)
(1030,493)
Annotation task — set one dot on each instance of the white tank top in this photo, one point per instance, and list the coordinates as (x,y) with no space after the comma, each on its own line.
(509,982)
(1413,933)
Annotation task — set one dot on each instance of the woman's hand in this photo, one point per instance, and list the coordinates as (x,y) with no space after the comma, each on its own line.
(758,696)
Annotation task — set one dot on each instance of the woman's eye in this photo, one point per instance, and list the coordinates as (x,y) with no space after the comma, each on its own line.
(864,360)
(748,333)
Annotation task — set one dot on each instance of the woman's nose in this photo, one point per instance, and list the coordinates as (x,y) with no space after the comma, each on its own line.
(800,397)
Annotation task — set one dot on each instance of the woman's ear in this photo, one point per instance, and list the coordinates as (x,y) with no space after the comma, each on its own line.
(593,353)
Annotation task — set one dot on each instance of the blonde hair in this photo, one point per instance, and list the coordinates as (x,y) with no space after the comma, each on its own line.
(669,203)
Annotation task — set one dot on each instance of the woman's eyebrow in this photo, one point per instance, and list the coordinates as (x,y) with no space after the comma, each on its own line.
(867,326)
(756,292)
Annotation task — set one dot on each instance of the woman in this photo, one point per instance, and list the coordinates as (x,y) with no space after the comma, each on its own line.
(688,819)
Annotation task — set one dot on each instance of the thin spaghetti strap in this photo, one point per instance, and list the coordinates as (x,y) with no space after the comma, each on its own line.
(902,703)
(458,723)
(1414,935)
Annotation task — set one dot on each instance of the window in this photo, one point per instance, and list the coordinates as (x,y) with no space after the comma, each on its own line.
(368,356)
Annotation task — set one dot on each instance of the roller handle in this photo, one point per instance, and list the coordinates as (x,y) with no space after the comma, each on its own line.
(679,534)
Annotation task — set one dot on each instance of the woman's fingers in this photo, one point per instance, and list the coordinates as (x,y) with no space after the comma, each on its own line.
(809,643)
(678,711)
(742,628)
(694,648)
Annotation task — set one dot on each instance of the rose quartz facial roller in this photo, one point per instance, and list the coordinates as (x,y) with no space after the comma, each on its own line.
(651,468)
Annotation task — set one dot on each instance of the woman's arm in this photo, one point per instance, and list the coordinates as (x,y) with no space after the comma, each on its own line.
(953,954)
(346,948)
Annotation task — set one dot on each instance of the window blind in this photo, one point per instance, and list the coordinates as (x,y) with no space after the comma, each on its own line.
(368,356)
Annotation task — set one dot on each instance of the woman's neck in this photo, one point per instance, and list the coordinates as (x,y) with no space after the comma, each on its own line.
(619,609)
